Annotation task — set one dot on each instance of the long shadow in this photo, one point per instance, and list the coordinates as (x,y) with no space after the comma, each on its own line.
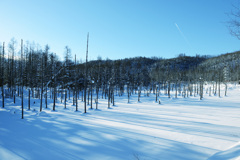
(171,124)
(66,135)
(57,137)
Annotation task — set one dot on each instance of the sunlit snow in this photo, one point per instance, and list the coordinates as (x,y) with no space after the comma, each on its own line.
(182,128)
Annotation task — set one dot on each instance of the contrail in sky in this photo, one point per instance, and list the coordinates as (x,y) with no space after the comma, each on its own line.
(185,38)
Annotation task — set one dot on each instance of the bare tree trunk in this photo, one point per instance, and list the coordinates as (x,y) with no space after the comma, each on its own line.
(76,84)
(54,98)
(102,92)
(46,96)
(54,89)
(41,84)
(69,93)
(169,89)
(91,96)
(73,97)
(76,94)
(61,95)
(82,95)
(215,89)
(85,79)
(195,90)
(3,96)
(88,95)
(184,91)
(111,93)
(201,89)
(113,97)
(176,88)
(96,101)
(65,101)
(139,93)
(22,76)
(156,93)
(29,93)
(219,84)
(226,89)
(128,94)
(109,96)
(3,63)
(210,91)
(191,88)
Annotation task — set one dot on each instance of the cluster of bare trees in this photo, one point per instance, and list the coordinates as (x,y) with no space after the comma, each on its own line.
(30,68)
(201,70)
(44,76)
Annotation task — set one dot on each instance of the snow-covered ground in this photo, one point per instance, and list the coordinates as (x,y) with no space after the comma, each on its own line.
(182,128)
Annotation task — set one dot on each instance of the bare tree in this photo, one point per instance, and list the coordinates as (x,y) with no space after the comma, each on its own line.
(86,78)
(76,91)
(2,73)
(41,83)
(22,76)
(54,81)
(12,70)
(234,22)
(66,71)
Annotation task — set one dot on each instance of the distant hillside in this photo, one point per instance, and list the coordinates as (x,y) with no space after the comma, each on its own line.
(181,62)
(228,59)
(227,64)
(222,67)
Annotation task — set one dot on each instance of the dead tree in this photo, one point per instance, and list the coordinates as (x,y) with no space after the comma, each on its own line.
(113,96)
(2,74)
(91,93)
(139,92)
(22,76)
(29,92)
(201,89)
(54,86)
(65,101)
(156,93)
(76,84)
(41,84)
(234,22)
(85,79)
(109,90)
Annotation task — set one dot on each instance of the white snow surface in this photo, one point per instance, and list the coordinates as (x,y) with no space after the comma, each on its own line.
(231,153)
(176,129)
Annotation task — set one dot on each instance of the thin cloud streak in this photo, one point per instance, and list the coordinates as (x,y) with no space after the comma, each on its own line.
(184,37)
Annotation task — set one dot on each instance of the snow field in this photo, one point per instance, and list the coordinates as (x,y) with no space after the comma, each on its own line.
(182,128)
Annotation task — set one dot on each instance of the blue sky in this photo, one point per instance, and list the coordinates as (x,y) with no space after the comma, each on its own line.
(121,28)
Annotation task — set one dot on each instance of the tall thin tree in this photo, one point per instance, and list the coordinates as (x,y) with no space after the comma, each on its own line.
(85,79)
(54,84)
(76,84)
(2,76)
(22,76)
(41,83)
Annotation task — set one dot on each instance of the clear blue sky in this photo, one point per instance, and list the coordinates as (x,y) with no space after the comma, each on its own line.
(121,28)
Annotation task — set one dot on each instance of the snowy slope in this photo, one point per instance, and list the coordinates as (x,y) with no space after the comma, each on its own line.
(231,153)
(182,128)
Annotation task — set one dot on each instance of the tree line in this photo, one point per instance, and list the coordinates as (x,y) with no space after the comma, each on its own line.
(38,73)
